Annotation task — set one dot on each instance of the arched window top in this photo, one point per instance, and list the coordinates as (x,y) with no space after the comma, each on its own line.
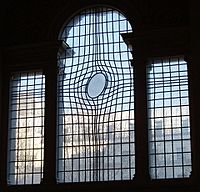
(95,34)
(96,21)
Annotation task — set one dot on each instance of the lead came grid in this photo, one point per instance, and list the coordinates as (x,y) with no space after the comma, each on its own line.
(26,129)
(96,107)
(169,118)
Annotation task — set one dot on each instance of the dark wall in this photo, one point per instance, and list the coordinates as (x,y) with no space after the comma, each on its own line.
(41,20)
(29,22)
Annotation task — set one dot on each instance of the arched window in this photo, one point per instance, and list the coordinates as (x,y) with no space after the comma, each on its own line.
(96,99)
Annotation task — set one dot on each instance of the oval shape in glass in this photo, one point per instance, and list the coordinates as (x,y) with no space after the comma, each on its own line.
(96,85)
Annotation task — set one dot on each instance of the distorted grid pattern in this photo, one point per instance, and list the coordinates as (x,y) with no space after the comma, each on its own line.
(96,100)
(169,118)
(26,130)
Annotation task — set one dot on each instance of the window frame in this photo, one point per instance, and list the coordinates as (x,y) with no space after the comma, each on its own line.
(142,180)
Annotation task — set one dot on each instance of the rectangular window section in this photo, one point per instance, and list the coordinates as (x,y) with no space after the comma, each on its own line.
(169,118)
(26,128)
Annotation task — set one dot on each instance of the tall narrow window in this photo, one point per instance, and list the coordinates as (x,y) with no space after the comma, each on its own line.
(169,118)
(26,128)
(96,100)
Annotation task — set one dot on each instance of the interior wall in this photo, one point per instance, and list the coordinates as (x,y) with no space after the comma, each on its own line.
(25,23)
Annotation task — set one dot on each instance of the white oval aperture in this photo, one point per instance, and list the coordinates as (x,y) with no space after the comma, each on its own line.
(96,85)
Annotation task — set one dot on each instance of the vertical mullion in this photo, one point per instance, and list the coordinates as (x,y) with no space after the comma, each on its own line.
(34,93)
(63,133)
(77,106)
(89,122)
(141,131)
(121,142)
(43,101)
(50,124)
(154,122)
(17,127)
(108,123)
(72,114)
(102,123)
(114,151)
(163,123)
(181,117)
(26,116)
(172,135)
(83,117)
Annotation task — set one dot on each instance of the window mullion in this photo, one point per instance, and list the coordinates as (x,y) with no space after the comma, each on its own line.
(50,124)
(141,125)
(51,72)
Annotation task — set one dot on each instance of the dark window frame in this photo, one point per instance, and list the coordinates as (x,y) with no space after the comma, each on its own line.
(142,181)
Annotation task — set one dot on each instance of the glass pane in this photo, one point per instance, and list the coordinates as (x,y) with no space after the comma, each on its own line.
(96,100)
(26,130)
(169,119)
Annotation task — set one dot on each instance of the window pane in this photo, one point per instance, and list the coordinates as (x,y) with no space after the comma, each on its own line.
(169,119)
(96,100)
(26,128)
